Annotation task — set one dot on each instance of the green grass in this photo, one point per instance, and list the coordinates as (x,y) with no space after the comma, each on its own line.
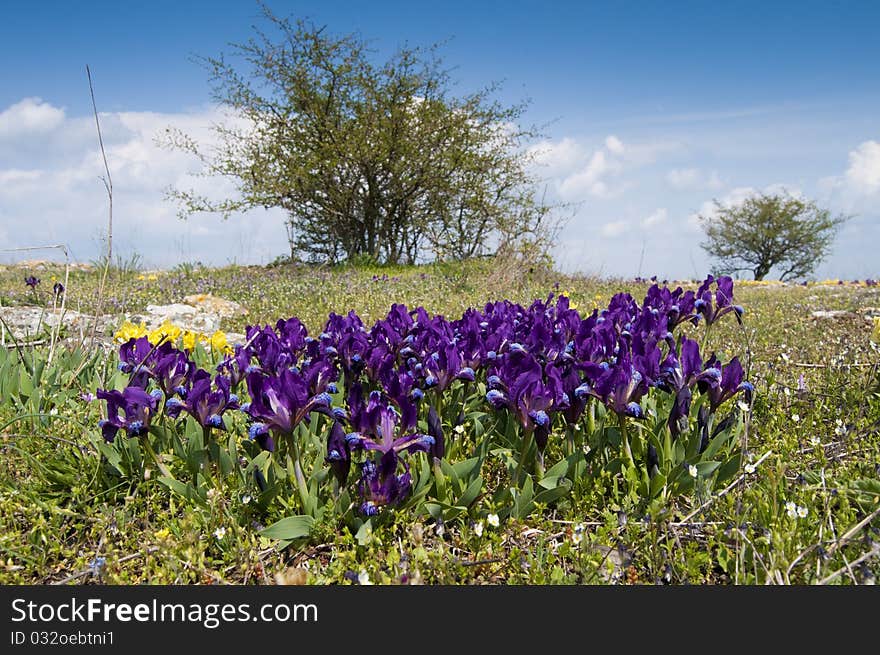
(56,517)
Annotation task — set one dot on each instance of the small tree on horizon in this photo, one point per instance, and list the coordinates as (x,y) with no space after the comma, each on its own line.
(769,231)
(372,161)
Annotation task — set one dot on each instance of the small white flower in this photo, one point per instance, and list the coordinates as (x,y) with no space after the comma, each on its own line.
(815,440)
(791,509)
(692,471)
(802,512)
(493,520)
(750,468)
(458,429)
(785,358)
(786,392)
(796,418)
(577,535)
(478,528)
(577,427)
(212,494)
(743,406)
(364,578)
(220,533)
(246,499)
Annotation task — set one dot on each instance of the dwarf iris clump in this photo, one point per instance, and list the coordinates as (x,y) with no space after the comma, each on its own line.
(624,391)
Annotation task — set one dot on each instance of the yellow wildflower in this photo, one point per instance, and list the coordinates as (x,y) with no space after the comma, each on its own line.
(152,277)
(219,343)
(875,336)
(165,332)
(189,339)
(128,331)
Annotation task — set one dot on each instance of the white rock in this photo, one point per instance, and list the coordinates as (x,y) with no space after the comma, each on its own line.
(834,313)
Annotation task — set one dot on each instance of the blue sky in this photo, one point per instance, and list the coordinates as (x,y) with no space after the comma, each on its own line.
(651,110)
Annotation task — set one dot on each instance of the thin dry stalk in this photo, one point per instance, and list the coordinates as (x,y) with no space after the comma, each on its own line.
(108,185)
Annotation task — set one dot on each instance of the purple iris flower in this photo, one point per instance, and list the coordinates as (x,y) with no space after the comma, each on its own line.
(688,370)
(271,353)
(260,433)
(435,429)
(351,343)
(137,406)
(137,357)
(679,375)
(470,333)
(338,454)
(576,391)
(204,402)
(723,299)
(381,485)
(729,383)
(282,401)
(430,333)
(236,366)
(677,306)
(379,426)
(320,376)
(445,365)
(532,394)
(379,363)
(292,334)
(399,387)
(58,289)
(173,370)
(620,386)
(32,281)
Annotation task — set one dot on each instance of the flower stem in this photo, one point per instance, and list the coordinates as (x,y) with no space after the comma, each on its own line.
(301,485)
(591,418)
(624,437)
(524,449)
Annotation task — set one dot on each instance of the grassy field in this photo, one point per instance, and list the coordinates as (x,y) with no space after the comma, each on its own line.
(803,510)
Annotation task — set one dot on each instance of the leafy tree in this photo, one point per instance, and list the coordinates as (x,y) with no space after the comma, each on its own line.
(371,162)
(767,231)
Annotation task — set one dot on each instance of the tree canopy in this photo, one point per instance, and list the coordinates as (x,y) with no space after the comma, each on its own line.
(769,231)
(371,161)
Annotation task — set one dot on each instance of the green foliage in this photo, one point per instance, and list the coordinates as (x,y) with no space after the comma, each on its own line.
(377,161)
(66,497)
(770,231)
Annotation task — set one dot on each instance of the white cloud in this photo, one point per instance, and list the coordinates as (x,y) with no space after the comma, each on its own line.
(588,180)
(578,172)
(714,181)
(614,228)
(51,192)
(655,218)
(693,178)
(614,145)
(29,117)
(557,158)
(683,178)
(864,167)
(709,209)
(736,197)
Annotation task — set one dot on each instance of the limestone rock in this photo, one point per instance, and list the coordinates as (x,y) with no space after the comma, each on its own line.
(28,322)
(833,313)
(179,314)
(215,305)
